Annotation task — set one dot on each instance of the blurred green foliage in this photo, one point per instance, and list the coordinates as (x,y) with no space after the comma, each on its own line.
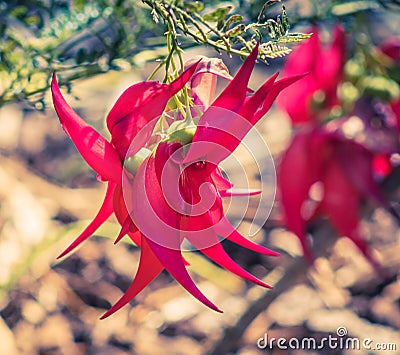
(79,38)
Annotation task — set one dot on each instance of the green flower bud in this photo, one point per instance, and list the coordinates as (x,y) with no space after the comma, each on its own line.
(183,135)
(133,163)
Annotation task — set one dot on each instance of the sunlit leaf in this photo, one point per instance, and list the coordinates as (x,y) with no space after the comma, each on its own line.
(233,19)
(193,6)
(218,14)
(294,37)
(235,31)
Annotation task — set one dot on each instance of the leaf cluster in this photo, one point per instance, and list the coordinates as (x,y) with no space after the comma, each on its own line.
(224,28)
(76,38)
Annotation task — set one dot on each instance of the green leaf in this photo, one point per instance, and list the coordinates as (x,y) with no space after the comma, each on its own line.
(193,6)
(235,31)
(285,21)
(233,19)
(218,15)
(19,11)
(273,50)
(79,4)
(293,38)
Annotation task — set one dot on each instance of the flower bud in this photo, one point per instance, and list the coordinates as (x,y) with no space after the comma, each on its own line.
(184,135)
(133,163)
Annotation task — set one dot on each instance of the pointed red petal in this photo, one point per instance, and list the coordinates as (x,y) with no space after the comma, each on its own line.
(328,71)
(137,106)
(274,92)
(125,228)
(341,203)
(254,102)
(226,230)
(233,95)
(149,268)
(105,211)
(93,147)
(219,181)
(239,192)
(226,132)
(295,191)
(357,162)
(172,261)
(210,246)
(218,254)
(221,132)
(304,58)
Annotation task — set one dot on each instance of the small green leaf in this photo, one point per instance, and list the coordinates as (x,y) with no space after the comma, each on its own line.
(19,11)
(285,21)
(218,15)
(293,38)
(273,28)
(79,4)
(273,50)
(235,31)
(232,19)
(193,6)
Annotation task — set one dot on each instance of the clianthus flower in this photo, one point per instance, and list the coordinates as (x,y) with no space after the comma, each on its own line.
(330,168)
(341,172)
(391,48)
(310,98)
(167,188)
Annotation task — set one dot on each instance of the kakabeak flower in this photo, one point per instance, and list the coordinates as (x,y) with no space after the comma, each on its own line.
(314,95)
(391,48)
(164,191)
(325,170)
(341,172)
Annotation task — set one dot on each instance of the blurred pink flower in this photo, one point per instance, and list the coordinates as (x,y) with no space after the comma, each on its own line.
(309,98)
(333,176)
(173,192)
(391,47)
(330,168)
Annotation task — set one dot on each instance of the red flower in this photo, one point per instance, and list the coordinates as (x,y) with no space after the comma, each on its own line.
(168,189)
(391,47)
(342,170)
(329,168)
(308,99)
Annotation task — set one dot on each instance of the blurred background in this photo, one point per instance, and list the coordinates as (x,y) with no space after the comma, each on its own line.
(48,194)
